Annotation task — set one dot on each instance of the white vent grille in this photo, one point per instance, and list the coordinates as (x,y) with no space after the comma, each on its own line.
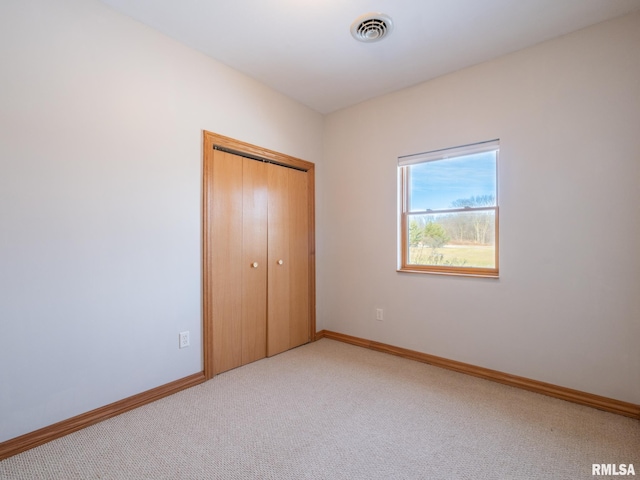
(371,27)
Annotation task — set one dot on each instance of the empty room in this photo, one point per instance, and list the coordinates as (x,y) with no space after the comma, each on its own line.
(319,239)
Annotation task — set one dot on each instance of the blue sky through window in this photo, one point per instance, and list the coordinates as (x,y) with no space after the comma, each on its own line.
(435,185)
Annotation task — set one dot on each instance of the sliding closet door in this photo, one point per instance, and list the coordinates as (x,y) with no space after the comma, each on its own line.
(279,261)
(225,220)
(239,260)
(254,263)
(288,291)
(299,258)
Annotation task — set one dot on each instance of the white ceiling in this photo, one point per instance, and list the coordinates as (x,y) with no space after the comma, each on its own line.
(304,49)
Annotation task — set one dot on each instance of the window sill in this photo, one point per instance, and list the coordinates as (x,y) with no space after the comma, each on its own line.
(458,272)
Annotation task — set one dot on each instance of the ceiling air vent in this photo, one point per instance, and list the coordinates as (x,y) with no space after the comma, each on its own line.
(371,27)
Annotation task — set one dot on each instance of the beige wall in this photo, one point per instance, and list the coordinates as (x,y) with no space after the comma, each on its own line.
(100,161)
(566,309)
(101,125)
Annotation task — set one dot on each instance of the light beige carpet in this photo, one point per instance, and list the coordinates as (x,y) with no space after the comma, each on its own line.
(334,411)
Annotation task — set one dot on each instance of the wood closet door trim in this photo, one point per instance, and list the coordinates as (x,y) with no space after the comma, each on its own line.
(209,140)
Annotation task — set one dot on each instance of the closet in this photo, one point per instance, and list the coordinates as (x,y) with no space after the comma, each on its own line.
(258,255)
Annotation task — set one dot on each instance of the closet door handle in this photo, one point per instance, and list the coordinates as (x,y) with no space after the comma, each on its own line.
(280,262)
(254,265)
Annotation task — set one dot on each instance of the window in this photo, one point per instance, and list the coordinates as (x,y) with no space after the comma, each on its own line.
(449,211)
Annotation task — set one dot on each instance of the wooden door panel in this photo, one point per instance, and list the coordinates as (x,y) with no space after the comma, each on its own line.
(226,257)
(254,242)
(278,250)
(299,258)
(234,293)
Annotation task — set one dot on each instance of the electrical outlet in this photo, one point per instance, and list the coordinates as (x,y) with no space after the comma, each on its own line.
(379,314)
(184,339)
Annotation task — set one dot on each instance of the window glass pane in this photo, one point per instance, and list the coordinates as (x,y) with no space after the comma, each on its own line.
(453,183)
(460,239)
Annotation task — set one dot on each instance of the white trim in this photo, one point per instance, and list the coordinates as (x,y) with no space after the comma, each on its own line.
(461,151)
